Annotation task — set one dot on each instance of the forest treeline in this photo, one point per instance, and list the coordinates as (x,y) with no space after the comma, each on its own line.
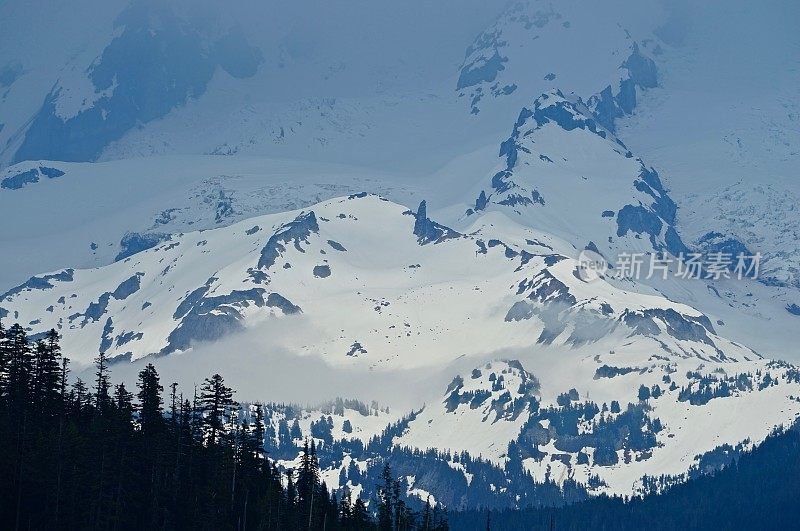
(97,456)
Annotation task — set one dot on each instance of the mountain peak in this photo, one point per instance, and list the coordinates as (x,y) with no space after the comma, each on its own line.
(566,173)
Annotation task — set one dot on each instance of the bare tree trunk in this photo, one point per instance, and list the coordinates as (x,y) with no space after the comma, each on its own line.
(244,516)
(21,454)
(311,508)
(60,466)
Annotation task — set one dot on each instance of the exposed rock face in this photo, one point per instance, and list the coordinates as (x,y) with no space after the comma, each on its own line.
(24,178)
(275,300)
(322,271)
(642,73)
(135,242)
(211,318)
(157,63)
(294,232)
(41,282)
(428,231)
(534,179)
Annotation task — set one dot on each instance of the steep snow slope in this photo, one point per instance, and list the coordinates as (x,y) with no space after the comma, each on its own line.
(560,171)
(713,112)
(568,175)
(763,215)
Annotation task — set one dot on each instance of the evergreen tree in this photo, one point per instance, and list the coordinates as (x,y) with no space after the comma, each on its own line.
(290,517)
(346,509)
(426,515)
(296,433)
(62,382)
(19,369)
(4,356)
(123,401)
(101,385)
(53,370)
(385,500)
(215,399)
(150,400)
(644,392)
(173,409)
(360,519)
(80,396)
(47,374)
(308,486)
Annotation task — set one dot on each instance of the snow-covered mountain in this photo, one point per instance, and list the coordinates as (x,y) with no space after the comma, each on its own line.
(499,436)
(201,285)
(560,156)
(209,186)
(254,78)
(260,78)
(143,201)
(373,284)
(536,46)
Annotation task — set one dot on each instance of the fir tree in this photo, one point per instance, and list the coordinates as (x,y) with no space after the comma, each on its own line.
(150,400)
(360,519)
(385,500)
(215,399)
(80,396)
(123,401)
(47,374)
(307,481)
(4,355)
(62,382)
(426,515)
(19,369)
(101,385)
(346,509)
(296,433)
